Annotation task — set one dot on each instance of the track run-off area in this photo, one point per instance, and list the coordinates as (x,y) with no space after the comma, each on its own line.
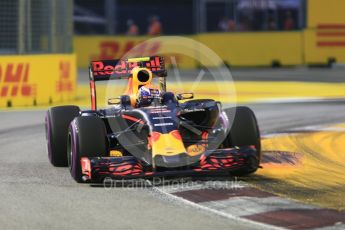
(300,184)
(306,164)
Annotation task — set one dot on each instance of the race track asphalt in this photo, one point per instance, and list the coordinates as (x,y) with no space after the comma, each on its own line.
(35,195)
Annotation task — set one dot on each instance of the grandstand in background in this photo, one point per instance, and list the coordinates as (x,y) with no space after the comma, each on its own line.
(36,26)
(188,16)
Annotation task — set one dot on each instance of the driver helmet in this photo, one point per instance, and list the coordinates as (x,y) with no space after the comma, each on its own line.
(146,95)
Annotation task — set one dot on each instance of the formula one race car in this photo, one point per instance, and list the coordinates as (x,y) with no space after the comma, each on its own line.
(149,131)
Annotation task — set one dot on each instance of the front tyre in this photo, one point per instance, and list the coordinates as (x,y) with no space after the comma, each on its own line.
(244,131)
(57,121)
(86,138)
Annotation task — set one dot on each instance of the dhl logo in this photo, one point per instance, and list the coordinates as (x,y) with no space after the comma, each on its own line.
(116,50)
(330,35)
(64,84)
(110,50)
(14,78)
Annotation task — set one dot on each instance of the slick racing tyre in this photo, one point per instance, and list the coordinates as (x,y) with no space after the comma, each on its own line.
(244,131)
(86,138)
(57,121)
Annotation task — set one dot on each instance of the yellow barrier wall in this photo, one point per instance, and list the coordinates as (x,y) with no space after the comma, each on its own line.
(321,41)
(257,48)
(90,48)
(325,12)
(28,80)
(238,49)
(321,45)
(324,38)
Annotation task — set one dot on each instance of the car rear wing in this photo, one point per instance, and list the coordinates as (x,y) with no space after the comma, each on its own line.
(122,68)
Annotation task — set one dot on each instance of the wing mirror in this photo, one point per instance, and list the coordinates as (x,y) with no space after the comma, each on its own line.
(184,96)
(114,101)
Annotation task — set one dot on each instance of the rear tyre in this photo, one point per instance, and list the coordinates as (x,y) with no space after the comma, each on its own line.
(244,131)
(57,121)
(86,138)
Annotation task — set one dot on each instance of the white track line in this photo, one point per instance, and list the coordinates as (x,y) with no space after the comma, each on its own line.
(296,100)
(197,185)
(244,206)
(312,128)
(337,226)
(216,212)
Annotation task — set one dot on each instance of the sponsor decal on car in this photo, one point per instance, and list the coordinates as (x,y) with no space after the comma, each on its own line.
(194,150)
(123,67)
(159,118)
(115,153)
(192,110)
(85,166)
(160,111)
(164,124)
